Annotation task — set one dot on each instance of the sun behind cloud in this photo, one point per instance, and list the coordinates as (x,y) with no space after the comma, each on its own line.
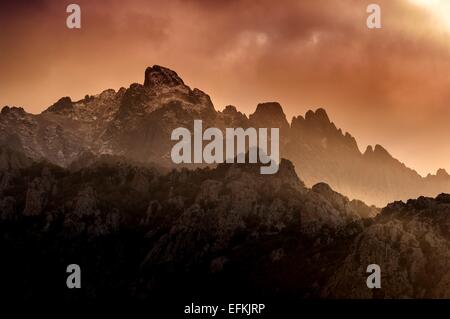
(440,9)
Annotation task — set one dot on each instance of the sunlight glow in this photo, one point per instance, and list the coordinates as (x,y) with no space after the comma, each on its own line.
(439,8)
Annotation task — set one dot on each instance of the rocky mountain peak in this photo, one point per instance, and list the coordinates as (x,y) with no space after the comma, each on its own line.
(287,171)
(442,173)
(108,93)
(318,121)
(322,188)
(230,109)
(380,151)
(64,103)
(317,126)
(12,110)
(269,108)
(232,117)
(5,109)
(369,150)
(320,115)
(377,152)
(157,76)
(269,114)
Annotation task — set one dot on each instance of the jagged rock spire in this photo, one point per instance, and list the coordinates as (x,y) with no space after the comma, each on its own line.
(156,76)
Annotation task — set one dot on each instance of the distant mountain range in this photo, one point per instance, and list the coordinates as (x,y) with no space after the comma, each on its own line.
(136,123)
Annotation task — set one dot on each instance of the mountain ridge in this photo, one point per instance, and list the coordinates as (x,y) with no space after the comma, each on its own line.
(136,122)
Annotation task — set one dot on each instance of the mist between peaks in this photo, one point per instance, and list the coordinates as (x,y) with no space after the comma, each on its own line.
(190,149)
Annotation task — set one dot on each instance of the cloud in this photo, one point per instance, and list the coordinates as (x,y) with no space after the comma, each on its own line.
(378,84)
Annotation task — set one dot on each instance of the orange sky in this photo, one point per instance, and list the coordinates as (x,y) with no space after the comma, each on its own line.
(388,86)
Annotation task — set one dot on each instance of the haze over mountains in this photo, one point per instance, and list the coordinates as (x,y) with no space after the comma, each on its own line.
(140,233)
(91,182)
(136,123)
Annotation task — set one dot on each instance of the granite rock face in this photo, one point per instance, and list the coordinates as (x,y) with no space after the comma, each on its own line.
(410,242)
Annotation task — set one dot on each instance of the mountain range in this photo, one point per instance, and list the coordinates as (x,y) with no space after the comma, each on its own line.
(91,182)
(136,123)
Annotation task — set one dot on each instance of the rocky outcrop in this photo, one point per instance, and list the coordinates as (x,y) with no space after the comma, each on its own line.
(269,114)
(63,104)
(158,76)
(241,202)
(410,242)
(39,192)
(85,217)
(11,159)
